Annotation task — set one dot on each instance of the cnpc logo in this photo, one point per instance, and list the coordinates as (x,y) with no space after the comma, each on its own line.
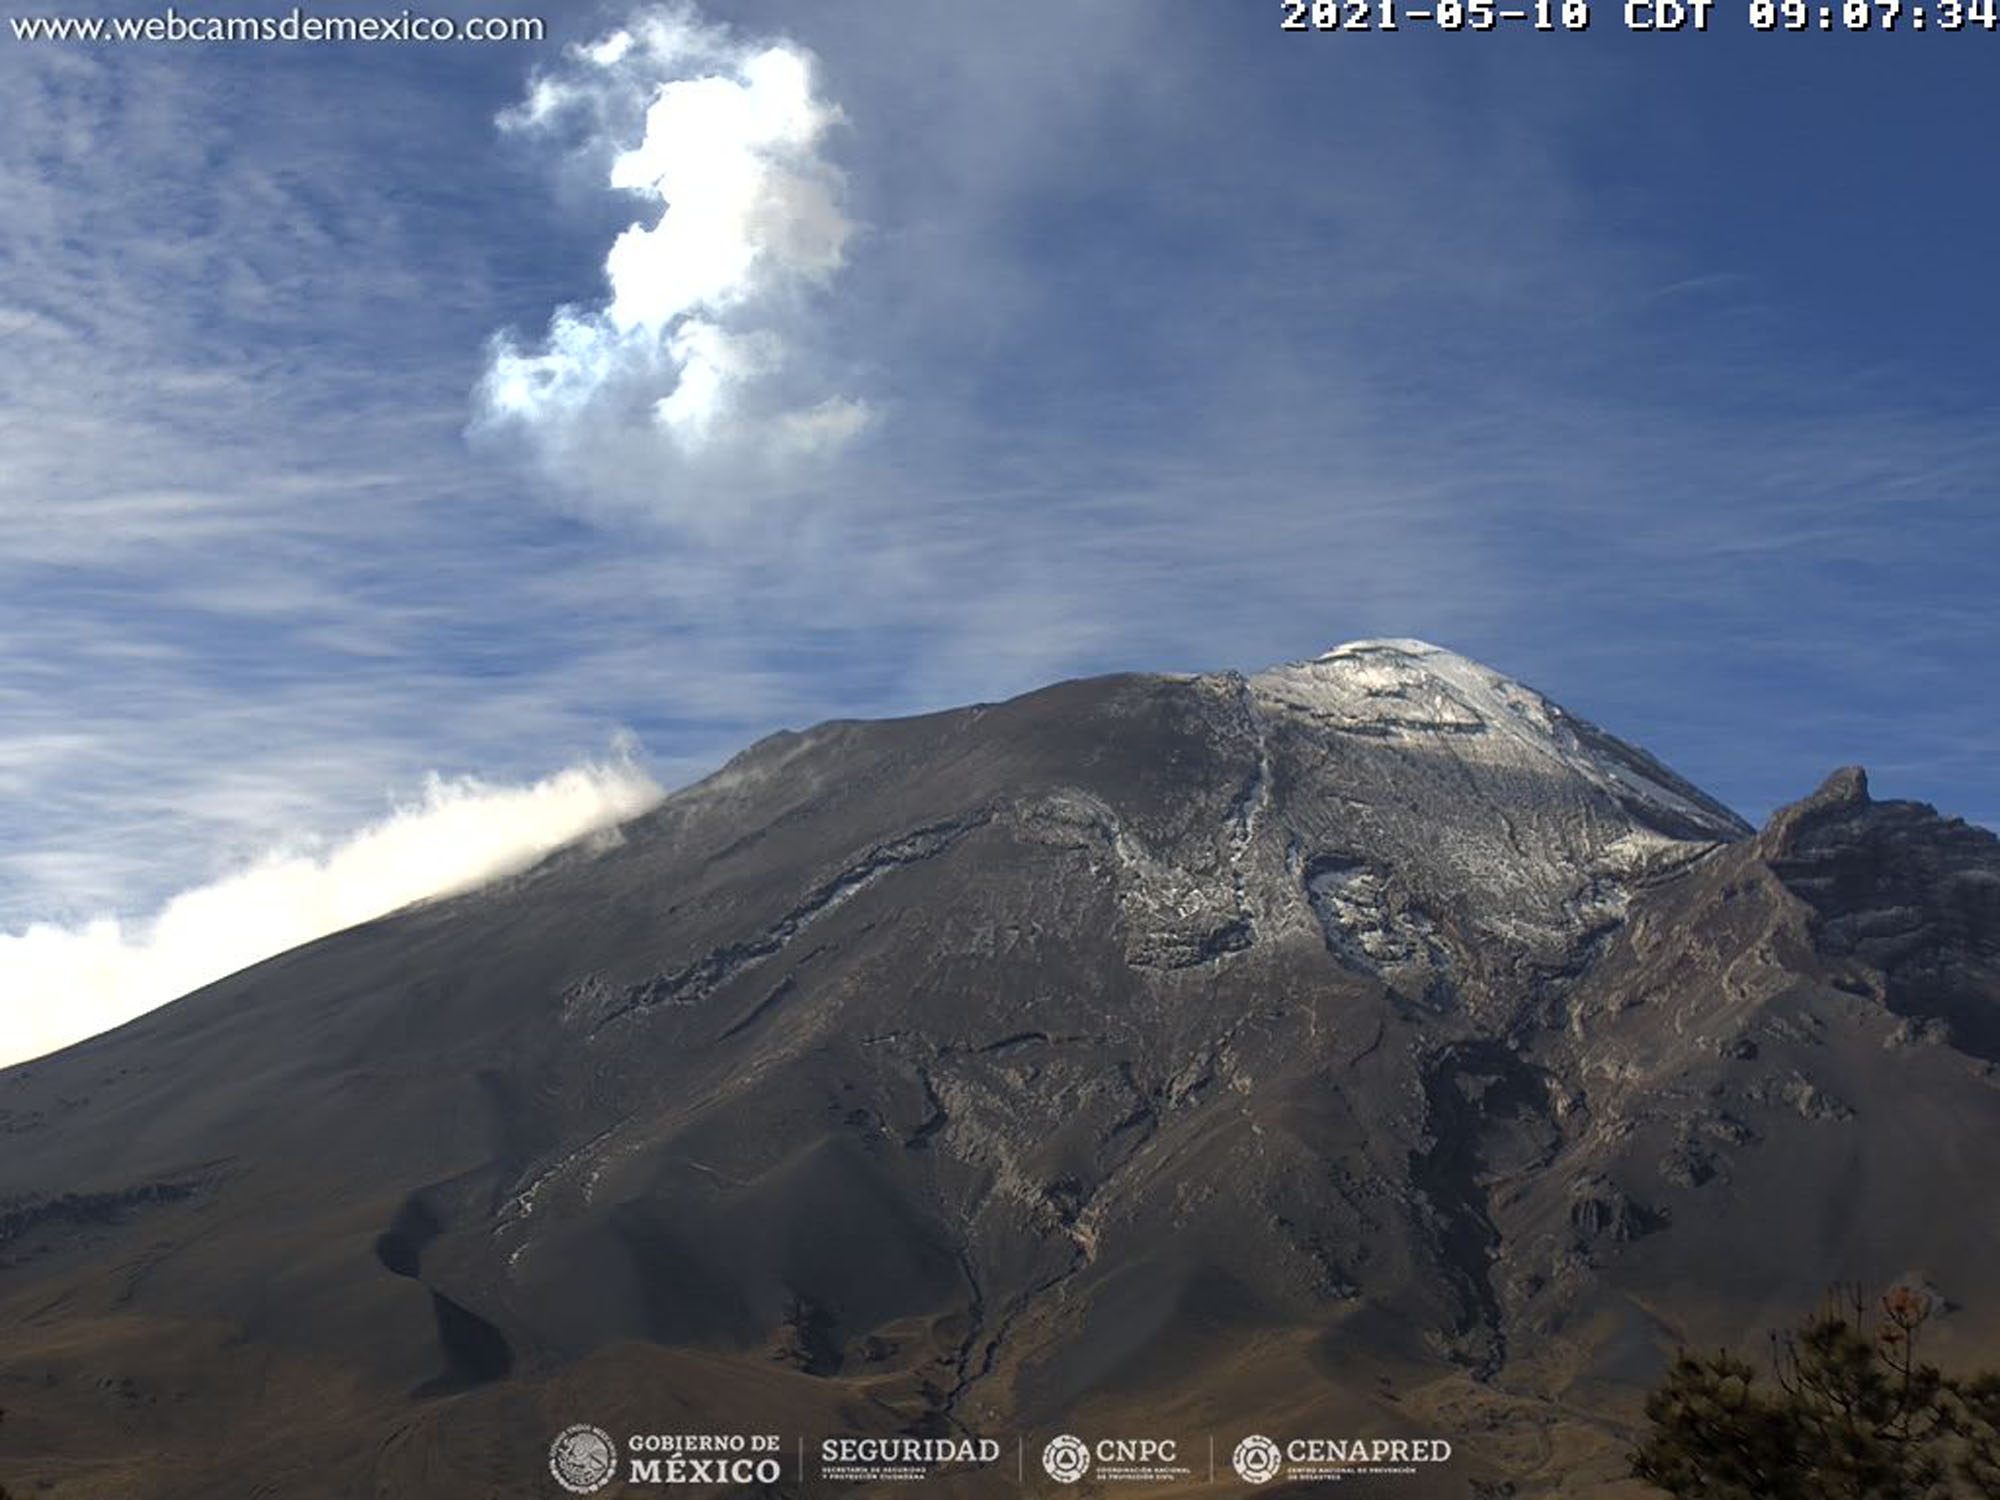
(1067,1458)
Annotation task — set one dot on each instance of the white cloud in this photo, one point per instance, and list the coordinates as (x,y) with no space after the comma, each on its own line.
(721,141)
(830,424)
(62,983)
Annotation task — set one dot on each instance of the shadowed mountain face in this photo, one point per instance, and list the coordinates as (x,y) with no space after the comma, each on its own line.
(1364,1047)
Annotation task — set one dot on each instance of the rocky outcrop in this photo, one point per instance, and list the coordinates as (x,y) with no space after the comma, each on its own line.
(1912,899)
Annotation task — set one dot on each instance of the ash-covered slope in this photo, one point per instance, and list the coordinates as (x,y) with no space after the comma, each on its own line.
(1364,1046)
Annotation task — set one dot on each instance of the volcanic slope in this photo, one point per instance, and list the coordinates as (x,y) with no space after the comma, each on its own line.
(1363,1047)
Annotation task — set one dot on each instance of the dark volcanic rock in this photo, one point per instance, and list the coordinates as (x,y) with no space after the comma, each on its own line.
(1363,1046)
(1907,894)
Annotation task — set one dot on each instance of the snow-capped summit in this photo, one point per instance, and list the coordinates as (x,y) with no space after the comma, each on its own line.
(1411,692)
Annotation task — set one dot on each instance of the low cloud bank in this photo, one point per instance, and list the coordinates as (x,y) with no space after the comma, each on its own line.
(61,984)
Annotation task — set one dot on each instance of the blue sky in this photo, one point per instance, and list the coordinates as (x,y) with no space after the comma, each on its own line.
(1653,370)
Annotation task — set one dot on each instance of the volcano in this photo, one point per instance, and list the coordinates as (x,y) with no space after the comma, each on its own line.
(1366,1048)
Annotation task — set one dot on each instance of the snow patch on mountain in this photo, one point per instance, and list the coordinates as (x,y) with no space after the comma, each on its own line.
(1408,692)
